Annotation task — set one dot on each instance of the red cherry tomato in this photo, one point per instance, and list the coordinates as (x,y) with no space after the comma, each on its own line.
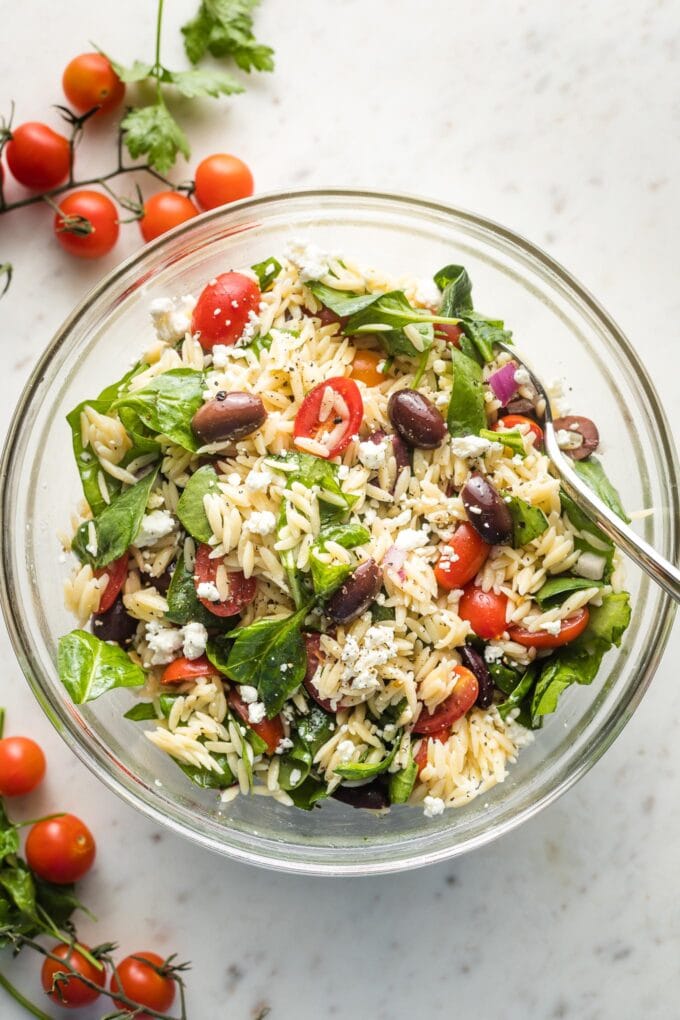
(511,421)
(269,730)
(60,850)
(460,700)
(138,977)
(180,670)
(484,611)
(223,309)
(571,628)
(314,660)
(22,766)
(469,554)
(449,332)
(116,573)
(222,178)
(163,211)
(89,80)
(365,368)
(343,415)
(241,589)
(76,211)
(71,991)
(37,156)
(420,758)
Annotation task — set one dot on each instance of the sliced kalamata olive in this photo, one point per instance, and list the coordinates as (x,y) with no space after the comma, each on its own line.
(475,662)
(162,583)
(356,594)
(115,624)
(328,317)
(228,416)
(399,447)
(416,419)
(487,513)
(520,405)
(372,796)
(579,426)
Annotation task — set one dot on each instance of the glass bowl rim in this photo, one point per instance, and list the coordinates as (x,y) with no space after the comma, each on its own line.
(80,742)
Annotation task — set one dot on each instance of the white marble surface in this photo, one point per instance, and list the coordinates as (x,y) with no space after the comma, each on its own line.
(562,121)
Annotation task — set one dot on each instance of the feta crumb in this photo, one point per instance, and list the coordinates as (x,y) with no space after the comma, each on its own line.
(373,455)
(195,638)
(590,565)
(427,292)
(256,712)
(154,526)
(568,439)
(171,317)
(248,693)
(345,750)
(222,354)
(258,481)
(411,538)
(551,626)
(433,806)
(311,260)
(260,522)
(295,776)
(522,377)
(343,471)
(493,653)
(362,660)
(163,642)
(284,744)
(469,447)
(208,590)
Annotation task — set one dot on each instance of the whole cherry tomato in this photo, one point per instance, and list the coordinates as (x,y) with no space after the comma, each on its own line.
(144,978)
(89,80)
(224,308)
(60,849)
(71,991)
(37,156)
(163,211)
(221,179)
(484,611)
(468,555)
(22,766)
(86,224)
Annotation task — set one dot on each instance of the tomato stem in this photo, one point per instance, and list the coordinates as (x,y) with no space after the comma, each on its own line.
(157,70)
(21,999)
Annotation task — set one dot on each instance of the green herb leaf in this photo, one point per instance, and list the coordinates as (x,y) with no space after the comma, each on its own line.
(138,71)
(457,289)
(609,621)
(326,577)
(513,440)
(591,539)
(259,652)
(89,667)
(190,509)
(267,272)
(483,333)
(466,415)
(143,711)
(366,770)
(311,471)
(18,882)
(58,901)
(168,403)
(401,783)
(117,525)
(202,82)
(153,132)
(592,473)
(528,522)
(504,678)
(224,28)
(556,589)
(9,835)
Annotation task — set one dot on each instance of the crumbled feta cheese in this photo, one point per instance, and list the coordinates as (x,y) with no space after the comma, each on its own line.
(312,262)
(433,806)
(343,471)
(468,447)
(411,538)
(558,403)
(154,526)
(251,329)
(208,590)
(427,292)
(551,626)
(568,439)
(260,522)
(222,354)
(195,638)
(522,377)
(345,750)
(284,744)
(248,693)
(258,481)
(171,317)
(493,653)
(362,660)
(295,776)
(256,712)
(590,565)
(373,455)
(163,642)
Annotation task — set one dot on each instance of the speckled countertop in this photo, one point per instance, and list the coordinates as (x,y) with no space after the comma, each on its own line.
(563,122)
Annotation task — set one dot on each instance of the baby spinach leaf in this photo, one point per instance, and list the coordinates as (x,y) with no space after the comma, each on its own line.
(592,538)
(519,693)
(609,621)
(401,783)
(190,509)
(366,770)
(504,678)
(380,613)
(466,415)
(316,728)
(117,525)
(457,289)
(390,311)
(308,794)
(528,522)
(168,403)
(266,272)
(342,303)
(86,461)
(207,779)
(270,655)
(556,589)
(513,440)
(315,471)
(183,604)
(483,333)
(261,343)
(326,577)
(480,332)
(217,650)
(592,473)
(89,667)
(143,711)
(295,765)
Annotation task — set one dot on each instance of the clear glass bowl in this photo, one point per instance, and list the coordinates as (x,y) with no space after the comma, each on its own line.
(563,331)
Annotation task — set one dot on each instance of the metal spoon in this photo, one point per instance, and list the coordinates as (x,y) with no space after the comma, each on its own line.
(661,570)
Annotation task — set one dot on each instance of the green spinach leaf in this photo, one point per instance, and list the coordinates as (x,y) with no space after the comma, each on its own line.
(308,794)
(295,765)
(143,711)
(483,333)
(18,882)
(117,525)
(89,667)
(466,415)
(457,289)
(528,522)
(183,604)
(519,693)
(326,577)
(207,779)
(401,783)
(504,677)
(342,303)
(9,835)
(557,589)
(190,509)
(513,440)
(168,403)
(270,655)
(365,769)
(266,272)
(316,728)
(592,473)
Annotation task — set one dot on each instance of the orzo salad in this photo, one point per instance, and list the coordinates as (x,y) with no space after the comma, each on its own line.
(320,537)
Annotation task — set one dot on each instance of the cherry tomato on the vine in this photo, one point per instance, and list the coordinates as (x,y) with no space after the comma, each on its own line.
(222,178)
(142,977)
(223,309)
(365,368)
(71,991)
(570,629)
(22,766)
(468,554)
(329,416)
(484,611)
(242,589)
(163,211)
(116,572)
(37,156)
(61,849)
(89,80)
(182,669)
(86,224)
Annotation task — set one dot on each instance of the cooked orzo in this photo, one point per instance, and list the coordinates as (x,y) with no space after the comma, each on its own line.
(320,536)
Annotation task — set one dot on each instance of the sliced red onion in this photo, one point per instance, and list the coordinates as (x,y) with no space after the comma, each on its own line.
(394,559)
(503,382)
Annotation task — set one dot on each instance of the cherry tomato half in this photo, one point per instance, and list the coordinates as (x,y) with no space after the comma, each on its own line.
(37,156)
(314,660)
(222,178)
(468,555)
(571,628)
(241,589)
(420,758)
(511,421)
(86,224)
(180,670)
(138,977)
(460,700)
(22,766)
(330,414)
(71,991)
(449,332)
(60,850)
(269,730)
(484,611)
(163,211)
(89,80)
(116,573)
(223,309)
(365,368)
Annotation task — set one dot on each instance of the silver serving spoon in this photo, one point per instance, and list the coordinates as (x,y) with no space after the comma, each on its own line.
(661,570)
